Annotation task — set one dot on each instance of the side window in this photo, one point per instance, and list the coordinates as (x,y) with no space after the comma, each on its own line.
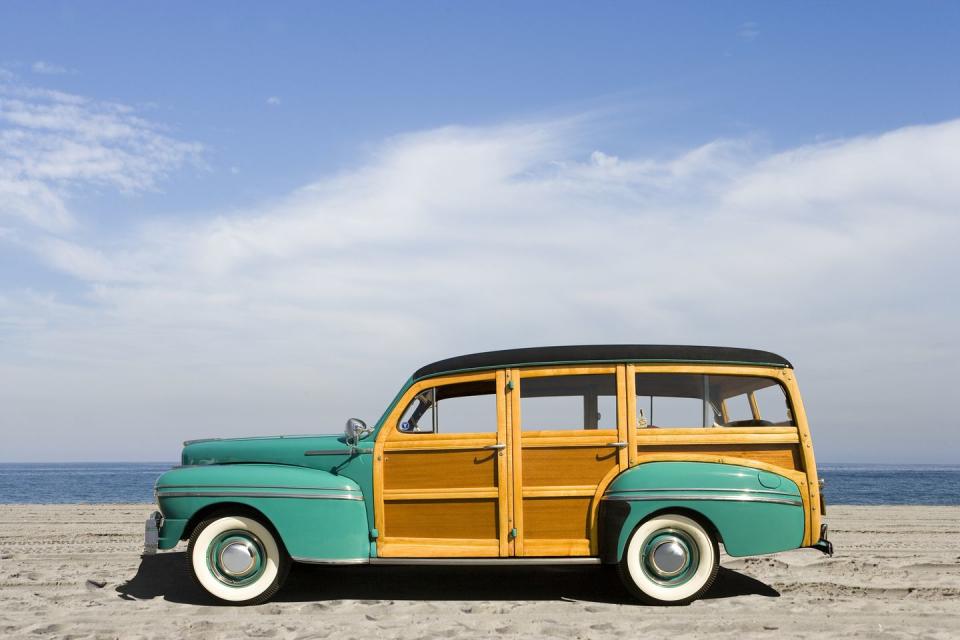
(467,407)
(569,402)
(682,400)
(672,400)
(749,401)
(772,403)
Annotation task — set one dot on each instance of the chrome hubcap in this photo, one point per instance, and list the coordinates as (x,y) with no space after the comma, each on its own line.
(669,557)
(237,558)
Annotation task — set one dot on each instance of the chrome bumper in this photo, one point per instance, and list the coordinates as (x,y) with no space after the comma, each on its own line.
(151,533)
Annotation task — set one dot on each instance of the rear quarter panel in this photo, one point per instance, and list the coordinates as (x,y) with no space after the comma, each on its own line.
(752,510)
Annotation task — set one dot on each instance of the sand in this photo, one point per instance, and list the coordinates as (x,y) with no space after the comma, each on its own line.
(76,571)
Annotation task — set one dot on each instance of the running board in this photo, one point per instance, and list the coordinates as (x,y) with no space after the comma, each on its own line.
(485,561)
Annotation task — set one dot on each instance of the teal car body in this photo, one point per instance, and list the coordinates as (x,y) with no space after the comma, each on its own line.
(310,489)
(752,511)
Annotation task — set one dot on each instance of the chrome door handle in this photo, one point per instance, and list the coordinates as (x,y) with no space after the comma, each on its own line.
(619,445)
(496,446)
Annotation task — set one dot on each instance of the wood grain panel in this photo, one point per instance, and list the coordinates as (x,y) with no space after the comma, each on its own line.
(566,466)
(564,548)
(439,469)
(475,519)
(556,518)
(780,455)
(719,435)
(437,548)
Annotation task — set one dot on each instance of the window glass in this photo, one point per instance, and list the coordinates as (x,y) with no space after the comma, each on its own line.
(671,400)
(468,407)
(574,402)
(772,402)
(736,392)
(738,408)
(682,400)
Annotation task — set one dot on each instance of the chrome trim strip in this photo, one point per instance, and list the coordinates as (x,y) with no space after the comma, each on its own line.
(251,486)
(235,494)
(711,489)
(327,452)
(744,498)
(486,561)
(331,560)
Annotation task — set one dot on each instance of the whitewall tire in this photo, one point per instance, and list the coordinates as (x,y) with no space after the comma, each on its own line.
(670,559)
(237,559)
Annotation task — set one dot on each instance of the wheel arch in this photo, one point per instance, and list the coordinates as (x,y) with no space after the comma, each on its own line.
(230,509)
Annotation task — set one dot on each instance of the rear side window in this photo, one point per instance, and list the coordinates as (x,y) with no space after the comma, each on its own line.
(569,402)
(683,400)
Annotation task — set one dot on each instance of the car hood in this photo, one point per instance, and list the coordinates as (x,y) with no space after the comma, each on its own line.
(290,450)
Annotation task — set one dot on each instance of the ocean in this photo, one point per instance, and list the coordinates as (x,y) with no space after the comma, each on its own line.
(107,482)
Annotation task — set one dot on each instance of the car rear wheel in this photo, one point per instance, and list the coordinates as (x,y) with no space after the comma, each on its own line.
(237,559)
(670,559)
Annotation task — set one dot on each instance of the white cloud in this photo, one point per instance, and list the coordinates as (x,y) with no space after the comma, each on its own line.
(47,68)
(273,101)
(55,145)
(297,313)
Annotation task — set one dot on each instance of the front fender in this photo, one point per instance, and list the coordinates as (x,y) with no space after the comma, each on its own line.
(319,516)
(753,511)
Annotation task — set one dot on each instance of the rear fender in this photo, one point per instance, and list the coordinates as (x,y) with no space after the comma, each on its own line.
(752,511)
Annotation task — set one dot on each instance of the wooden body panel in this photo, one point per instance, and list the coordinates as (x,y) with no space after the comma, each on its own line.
(785,456)
(446,518)
(436,469)
(562,474)
(445,495)
(557,499)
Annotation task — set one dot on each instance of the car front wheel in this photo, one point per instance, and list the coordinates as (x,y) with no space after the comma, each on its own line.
(237,559)
(670,559)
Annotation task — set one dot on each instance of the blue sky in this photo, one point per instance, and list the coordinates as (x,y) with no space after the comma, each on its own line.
(196,196)
(349,74)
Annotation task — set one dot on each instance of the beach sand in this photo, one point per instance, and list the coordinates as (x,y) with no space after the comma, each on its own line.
(76,571)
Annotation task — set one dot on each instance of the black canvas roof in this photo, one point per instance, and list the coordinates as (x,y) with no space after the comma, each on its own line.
(601,353)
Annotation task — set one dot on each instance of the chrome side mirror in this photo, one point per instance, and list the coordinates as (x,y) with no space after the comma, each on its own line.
(355,431)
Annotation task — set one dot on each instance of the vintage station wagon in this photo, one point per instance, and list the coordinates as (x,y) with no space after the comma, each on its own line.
(646,457)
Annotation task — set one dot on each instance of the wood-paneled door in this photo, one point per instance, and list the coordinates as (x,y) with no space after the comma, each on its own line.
(567,431)
(442,476)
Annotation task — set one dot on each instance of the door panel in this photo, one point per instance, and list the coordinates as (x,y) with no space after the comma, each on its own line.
(444,493)
(560,469)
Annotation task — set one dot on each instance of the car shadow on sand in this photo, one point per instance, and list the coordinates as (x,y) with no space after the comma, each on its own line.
(166,575)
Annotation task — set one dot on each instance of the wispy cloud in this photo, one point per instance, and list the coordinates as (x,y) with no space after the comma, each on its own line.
(55,145)
(273,101)
(748,31)
(462,239)
(48,68)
